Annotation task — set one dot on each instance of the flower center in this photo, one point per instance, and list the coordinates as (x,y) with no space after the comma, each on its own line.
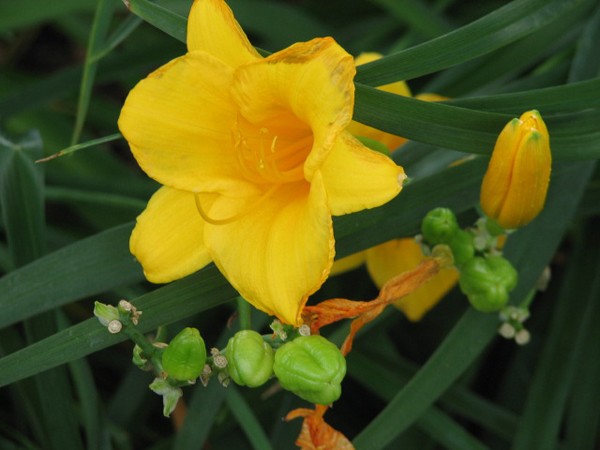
(272,152)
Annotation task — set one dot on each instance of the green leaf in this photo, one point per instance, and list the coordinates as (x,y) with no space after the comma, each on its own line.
(585,65)
(102,19)
(162,18)
(385,383)
(556,99)
(90,266)
(22,198)
(574,135)
(497,29)
(417,15)
(200,416)
(561,363)
(240,409)
(28,12)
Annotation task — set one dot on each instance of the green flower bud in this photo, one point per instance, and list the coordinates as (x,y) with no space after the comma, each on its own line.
(312,368)
(250,359)
(105,313)
(462,247)
(185,356)
(439,226)
(487,281)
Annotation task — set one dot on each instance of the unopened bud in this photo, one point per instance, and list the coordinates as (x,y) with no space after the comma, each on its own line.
(514,187)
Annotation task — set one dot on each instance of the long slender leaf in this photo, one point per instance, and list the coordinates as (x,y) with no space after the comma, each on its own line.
(540,422)
(165,20)
(469,130)
(583,417)
(88,267)
(418,15)
(501,27)
(88,396)
(21,194)
(200,416)
(247,420)
(102,18)
(434,422)
(556,99)
(28,12)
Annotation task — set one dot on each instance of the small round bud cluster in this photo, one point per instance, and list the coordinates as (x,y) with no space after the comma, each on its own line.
(487,282)
(308,365)
(128,308)
(512,319)
(440,229)
(486,277)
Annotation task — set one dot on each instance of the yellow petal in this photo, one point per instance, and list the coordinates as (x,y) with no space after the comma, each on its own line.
(495,182)
(347,263)
(394,257)
(392,142)
(212,28)
(531,175)
(168,237)
(307,84)
(279,253)
(356,177)
(179,121)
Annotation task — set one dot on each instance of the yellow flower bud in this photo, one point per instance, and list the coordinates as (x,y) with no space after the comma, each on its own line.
(514,187)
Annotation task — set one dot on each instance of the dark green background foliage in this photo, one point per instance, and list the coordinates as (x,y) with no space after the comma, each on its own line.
(447,382)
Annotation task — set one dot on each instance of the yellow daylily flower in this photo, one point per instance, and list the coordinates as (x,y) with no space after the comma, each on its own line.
(391,141)
(514,187)
(254,157)
(400,255)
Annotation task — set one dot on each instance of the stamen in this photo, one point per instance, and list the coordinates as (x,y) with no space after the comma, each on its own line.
(251,207)
(264,158)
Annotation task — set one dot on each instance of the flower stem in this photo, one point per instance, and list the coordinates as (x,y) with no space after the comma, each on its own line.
(244,313)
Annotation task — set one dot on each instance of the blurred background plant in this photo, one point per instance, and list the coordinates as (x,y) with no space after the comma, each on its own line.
(447,381)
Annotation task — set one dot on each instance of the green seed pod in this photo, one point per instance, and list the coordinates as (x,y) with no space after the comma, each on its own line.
(439,226)
(185,356)
(250,359)
(487,281)
(312,368)
(462,247)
